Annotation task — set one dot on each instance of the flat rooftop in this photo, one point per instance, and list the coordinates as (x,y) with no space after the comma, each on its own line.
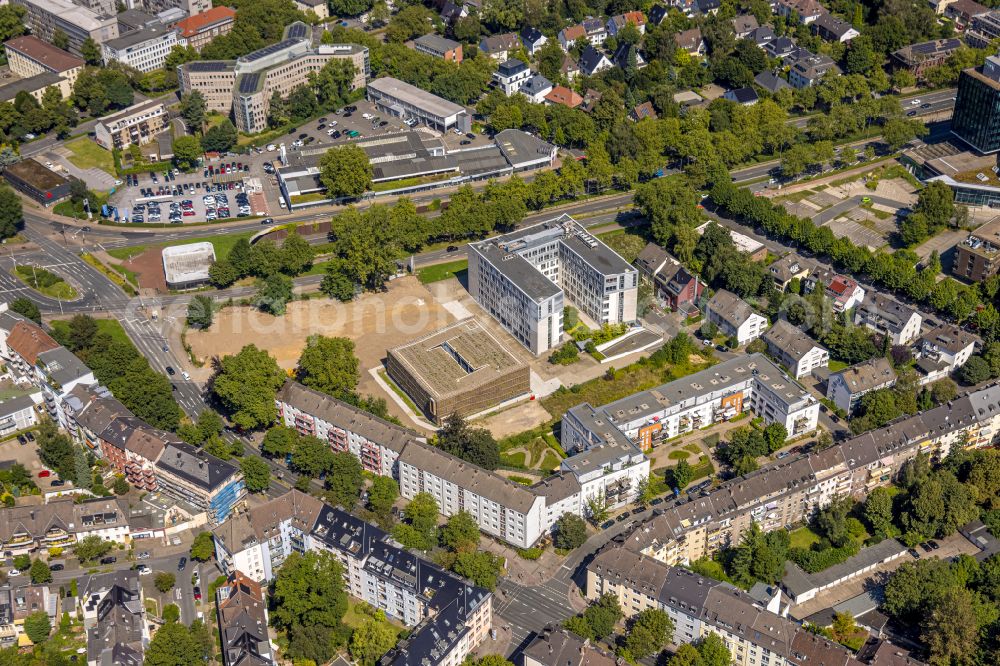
(414,96)
(456,359)
(187,263)
(35,174)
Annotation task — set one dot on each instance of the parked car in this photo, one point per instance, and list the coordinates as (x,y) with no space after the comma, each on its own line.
(58,483)
(44,474)
(607,524)
(182,564)
(57,566)
(197,593)
(110,559)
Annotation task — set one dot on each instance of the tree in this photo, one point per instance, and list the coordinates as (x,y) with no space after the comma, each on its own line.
(120,486)
(481,567)
(775,435)
(420,530)
(603,615)
(679,476)
(25,307)
(256,473)
(597,508)
(91,51)
(164,581)
(371,640)
(650,632)
(220,138)
(311,457)
(40,572)
(56,450)
(843,628)
(246,385)
(222,274)
(975,371)
(460,533)
(345,170)
(22,562)
(12,22)
(382,495)
(11,214)
(713,651)
(171,613)
(296,254)
(203,547)
(60,39)
(91,548)
(279,441)
(273,294)
(951,629)
(309,591)
(345,479)
(192,109)
(570,532)
(475,445)
(38,627)
(173,645)
(329,365)
(937,202)
(200,312)
(187,151)
(878,512)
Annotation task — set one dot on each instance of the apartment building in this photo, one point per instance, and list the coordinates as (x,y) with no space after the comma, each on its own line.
(61,523)
(611,471)
(523,278)
(789,491)
(17,413)
(243,622)
(448,616)
(794,349)
(200,29)
(78,23)
(375,442)
(132,447)
(978,256)
(137,125)
(28,56)
(510,76)
(847,387)
(716,394)
(943,350)
(560,647)
(245,86)
(734,317)
(500,47)
(918,58)
(145,50)
(204,481)
(788,268)
(113,609)
(700,606)
(887,316)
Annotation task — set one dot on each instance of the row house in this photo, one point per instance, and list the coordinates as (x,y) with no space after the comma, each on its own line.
(204,481)
(448,616)
(61,523)
(132,448)
(113,610)
(89,411)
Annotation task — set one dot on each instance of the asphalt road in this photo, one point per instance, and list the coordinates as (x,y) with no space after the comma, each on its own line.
(940,100)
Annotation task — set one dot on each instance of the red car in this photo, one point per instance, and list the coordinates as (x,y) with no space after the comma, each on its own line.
(188,213)
(44,473)
(197,593)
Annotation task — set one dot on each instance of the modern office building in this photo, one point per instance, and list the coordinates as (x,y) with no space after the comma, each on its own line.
(78,23)
(400,99)
(28,56)
(523,278)
(715,394)
(460,369)
(245,86)
(976,119)
(138,124)
(201,29)
(145,50)
(978,256)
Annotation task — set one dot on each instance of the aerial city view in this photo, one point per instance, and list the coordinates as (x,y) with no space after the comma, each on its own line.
(500,333)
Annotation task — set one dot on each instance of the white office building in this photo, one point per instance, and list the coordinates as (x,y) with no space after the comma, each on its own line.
(523,278)
(145,50)
(400,99)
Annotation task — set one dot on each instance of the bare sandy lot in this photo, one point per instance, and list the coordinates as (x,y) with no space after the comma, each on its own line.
(375,322)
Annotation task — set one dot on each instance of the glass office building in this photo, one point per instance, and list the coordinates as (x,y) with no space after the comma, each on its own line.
(976,119)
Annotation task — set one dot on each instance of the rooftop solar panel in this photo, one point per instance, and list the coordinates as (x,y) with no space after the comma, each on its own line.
(297,30)
(208,66)
(268,50)
(248,82)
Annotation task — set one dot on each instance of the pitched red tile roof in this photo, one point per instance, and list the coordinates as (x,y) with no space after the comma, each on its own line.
(195,24)
(29,341)
(565,96)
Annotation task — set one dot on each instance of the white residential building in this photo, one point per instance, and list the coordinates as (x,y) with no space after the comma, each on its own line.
(943,350)
(847,387)
(138,124)
(887,316)
(794,349)
(734,317)
(511,75)
(521,279)
(716,394)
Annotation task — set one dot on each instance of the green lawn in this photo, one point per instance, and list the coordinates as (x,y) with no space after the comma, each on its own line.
(109,326)
(223,244)
(46,282)
(802,538)
(513,459)
(837,366)
(627,244)
(549,461)
(438,272)
(679,455)
(86,154)
(126,253)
